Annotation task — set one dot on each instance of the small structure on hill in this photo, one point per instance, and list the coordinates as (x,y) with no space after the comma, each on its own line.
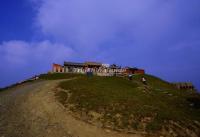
(184,85)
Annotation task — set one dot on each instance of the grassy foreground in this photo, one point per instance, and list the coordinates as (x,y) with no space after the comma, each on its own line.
(121,104)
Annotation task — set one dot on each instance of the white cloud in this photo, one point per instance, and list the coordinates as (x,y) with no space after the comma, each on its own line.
(22,52)
(90,23)
(92,27)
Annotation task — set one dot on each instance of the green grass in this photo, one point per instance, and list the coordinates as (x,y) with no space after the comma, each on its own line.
(56,76)
(159,101)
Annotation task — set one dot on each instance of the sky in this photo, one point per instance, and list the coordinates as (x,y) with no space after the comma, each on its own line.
(161,36)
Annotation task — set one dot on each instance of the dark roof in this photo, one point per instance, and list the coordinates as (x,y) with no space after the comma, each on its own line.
(73,64)
(93,63)
(114,66)
(130,68)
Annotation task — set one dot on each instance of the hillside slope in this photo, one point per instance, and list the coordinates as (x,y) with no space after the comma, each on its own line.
(31,110)
(112,106)
(130,106)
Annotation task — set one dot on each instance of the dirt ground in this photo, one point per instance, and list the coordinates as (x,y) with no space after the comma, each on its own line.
(31,110)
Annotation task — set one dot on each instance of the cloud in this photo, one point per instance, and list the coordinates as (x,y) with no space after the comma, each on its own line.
(21,59)
(91,23)
(98,27)
(21,52)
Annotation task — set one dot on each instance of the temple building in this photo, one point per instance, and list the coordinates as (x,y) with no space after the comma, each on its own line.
(73,67)
(96,68)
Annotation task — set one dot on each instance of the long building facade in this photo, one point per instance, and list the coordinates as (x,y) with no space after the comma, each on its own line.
(96,68)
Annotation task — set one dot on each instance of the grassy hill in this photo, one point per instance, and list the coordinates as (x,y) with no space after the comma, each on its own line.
(124,105)
(116,103)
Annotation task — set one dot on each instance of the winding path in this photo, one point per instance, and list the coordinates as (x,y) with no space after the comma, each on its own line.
(31,110)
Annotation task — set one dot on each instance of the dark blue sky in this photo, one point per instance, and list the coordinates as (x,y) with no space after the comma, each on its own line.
(16,20)
(163,37)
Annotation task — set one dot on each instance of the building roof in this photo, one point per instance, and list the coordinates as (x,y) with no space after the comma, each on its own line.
(93,63)
(131,68)
(73,64)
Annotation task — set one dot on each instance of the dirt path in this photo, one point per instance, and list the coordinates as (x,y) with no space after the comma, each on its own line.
(31,110)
